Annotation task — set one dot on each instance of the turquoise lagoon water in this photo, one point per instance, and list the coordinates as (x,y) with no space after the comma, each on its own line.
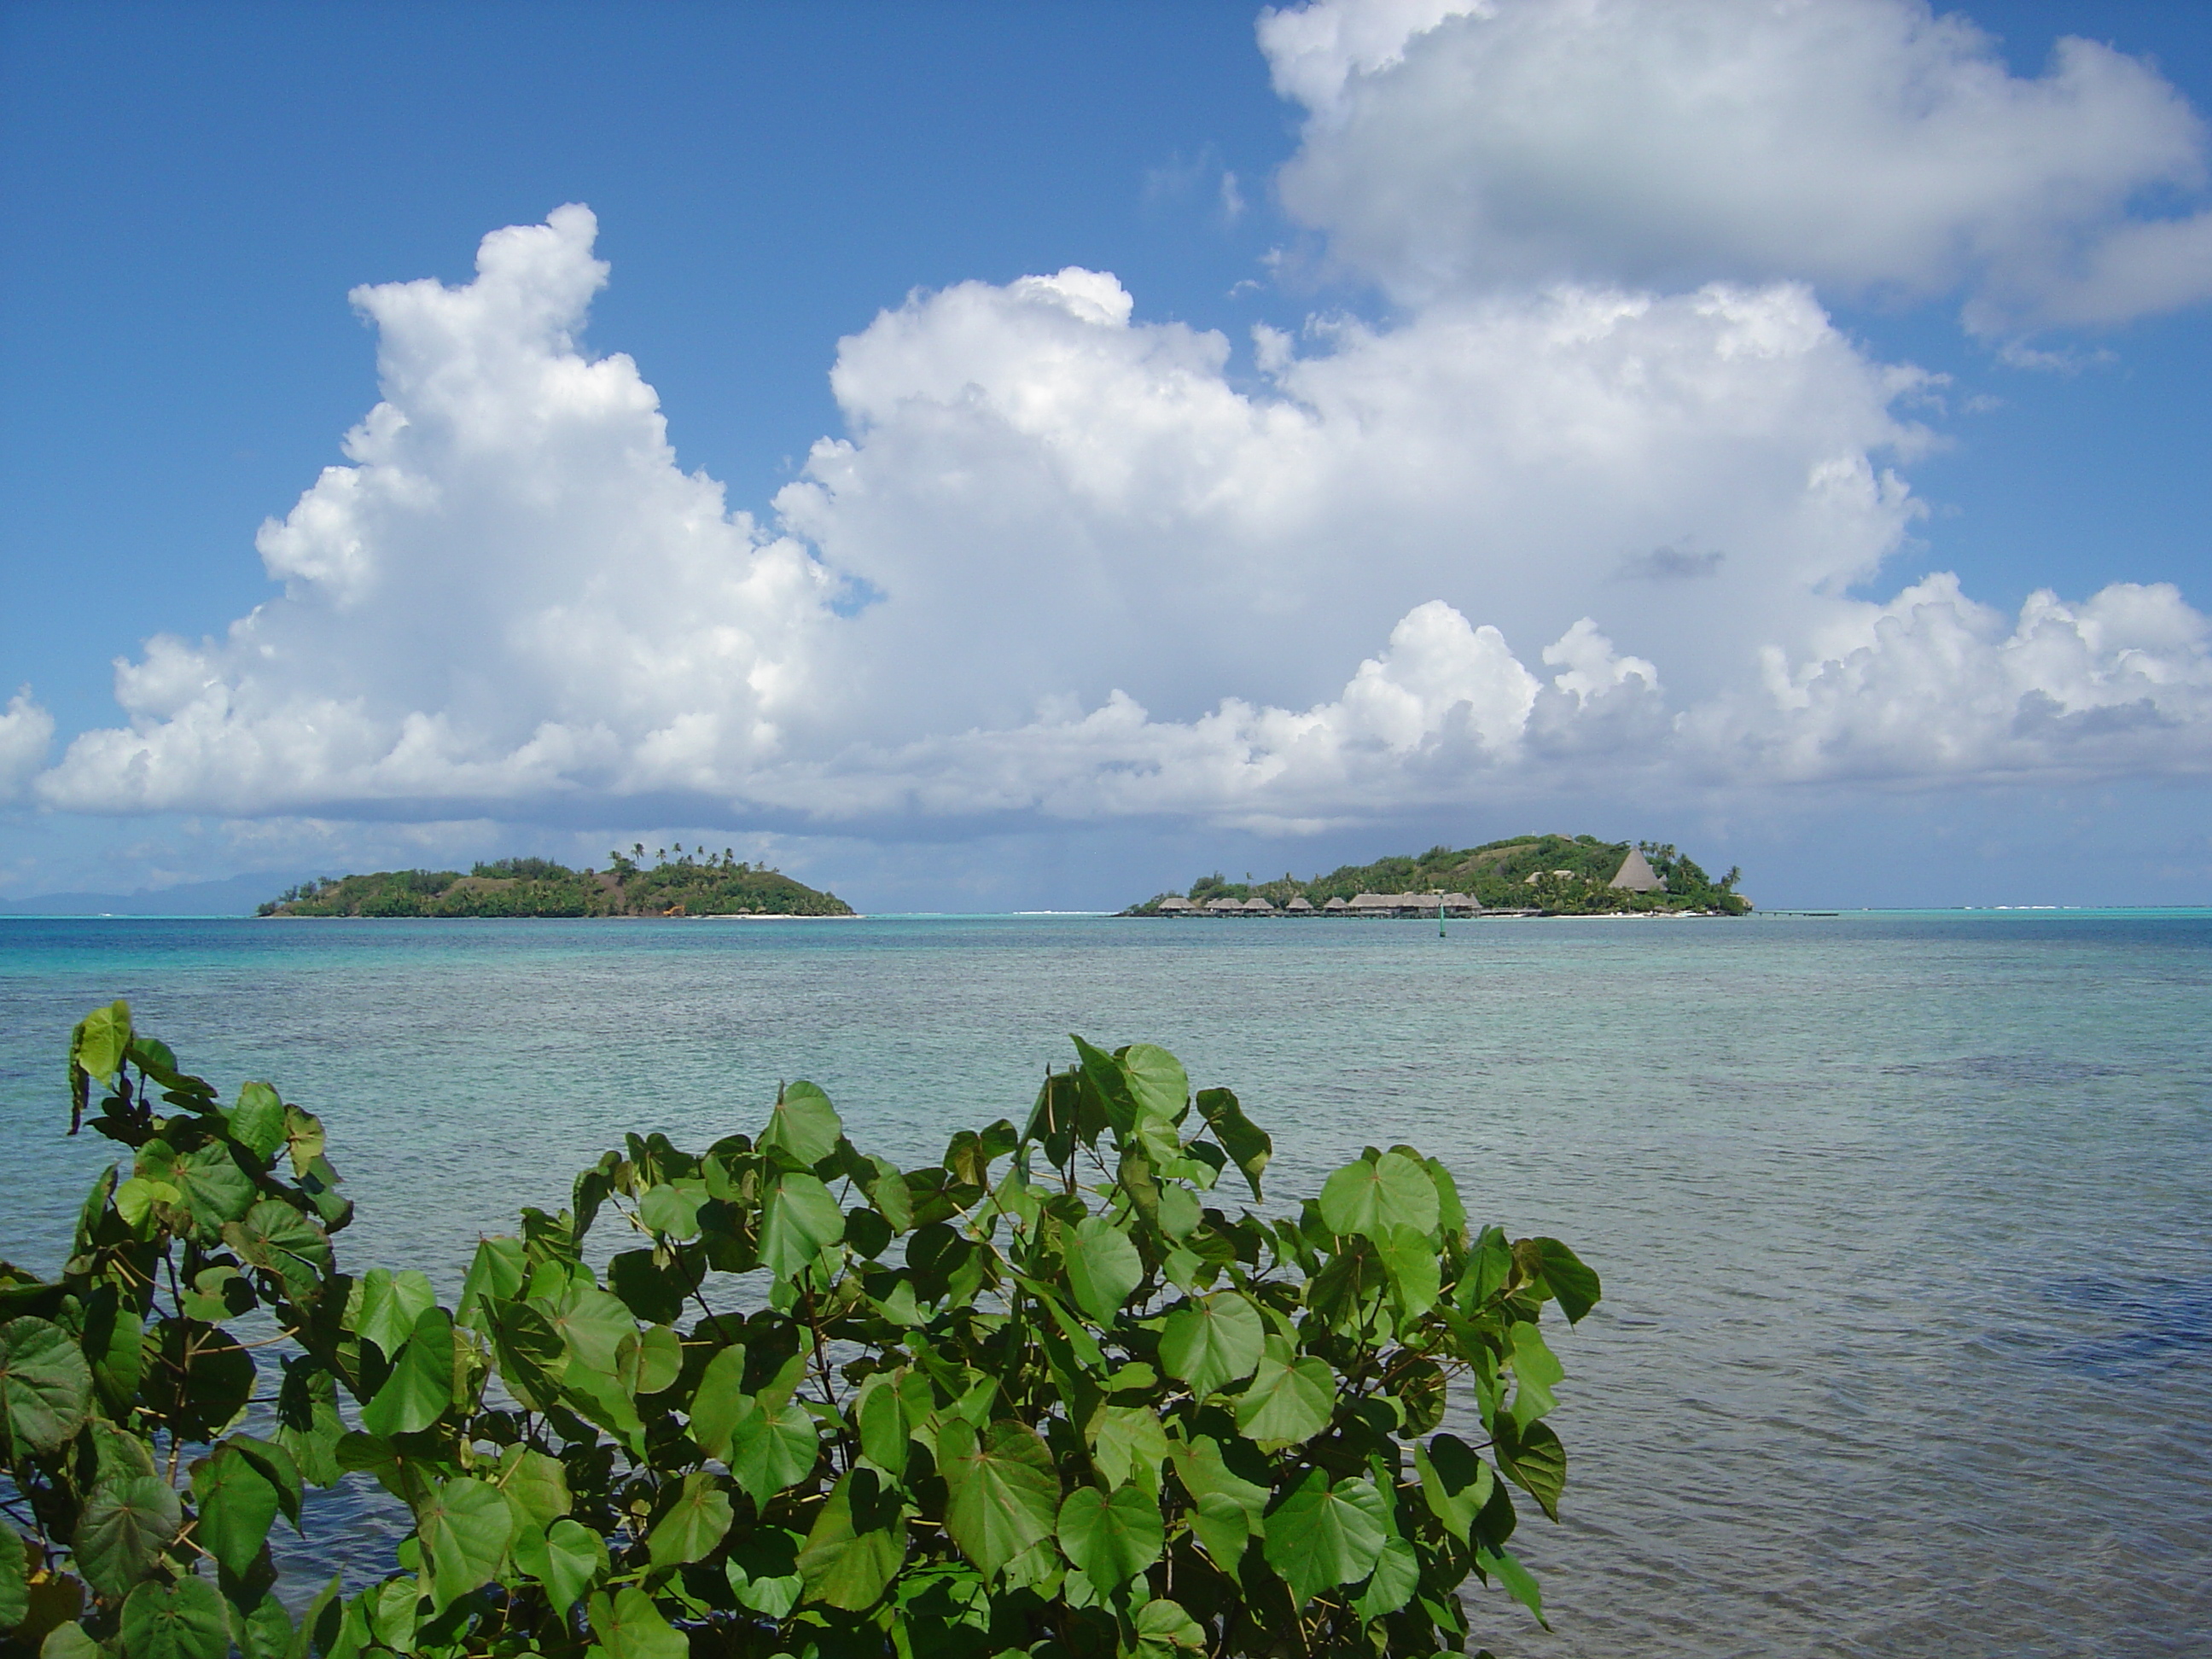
(1905,1221)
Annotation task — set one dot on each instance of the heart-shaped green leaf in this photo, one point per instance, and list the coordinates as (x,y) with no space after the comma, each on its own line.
(215,1190)
(630,1626)
(536,1486)
(45,1386)
(719,1401)
(183,1621)
(1128,1443)
(1373,1195)
(1397,1575)
(420,1386)
(1247,1144)
(1102,1268)
(465,1529)
(693,1524)
(1454,1483)
(1224,1527)
(1519,1582)
(257,1123)
(1321,1536)
(237,1502)
(799,1221)
(773,1447)
(276,1239)
(390,1305)
(1532,1457)
(125,1525)
(1157,1080)
(1290,1399)
(1575,1285)
(100,1041)
(673,1209)
(1166,1631)
(1415,1270)
(1003,1494)
(568,1560)
(804,1128)
(763,1570)
(857,1544)
(15,1579)
(1111,1538)
(1213,1342)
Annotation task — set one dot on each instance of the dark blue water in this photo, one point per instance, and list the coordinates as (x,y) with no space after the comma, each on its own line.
(1907,1341)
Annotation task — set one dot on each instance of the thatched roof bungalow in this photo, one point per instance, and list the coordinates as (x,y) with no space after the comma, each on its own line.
(1636,874)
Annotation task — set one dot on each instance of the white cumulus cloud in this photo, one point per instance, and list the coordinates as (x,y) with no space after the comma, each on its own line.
(1868,146)
(26,731)
(1065,566)
(511,592)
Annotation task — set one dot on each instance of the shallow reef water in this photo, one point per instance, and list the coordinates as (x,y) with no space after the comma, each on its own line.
(1905,1221)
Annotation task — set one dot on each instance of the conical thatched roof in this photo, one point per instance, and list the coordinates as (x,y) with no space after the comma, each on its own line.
(1636,875)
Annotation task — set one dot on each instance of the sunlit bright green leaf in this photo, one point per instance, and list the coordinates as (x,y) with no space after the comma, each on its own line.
(800,1220)
(1368,1196)
(183,1621)
(1111,1538)
(257,1121)
(772,1447)
(1213,1342)
(1157,1080)
(804,1127)
(465,1529)
(568,1560)
(420,1386)
(692,1524)
(237,1502)
(1321,1536)
(1102,1268)
(1004,1494)
(1290,1398)
(391,1303)
(1519,1582)
(630,1626)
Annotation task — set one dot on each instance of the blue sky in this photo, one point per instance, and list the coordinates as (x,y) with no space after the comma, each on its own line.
(193,192)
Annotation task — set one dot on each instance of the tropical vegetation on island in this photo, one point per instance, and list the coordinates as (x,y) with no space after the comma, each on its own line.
(1557,875)
(1046,1395)
(693,883)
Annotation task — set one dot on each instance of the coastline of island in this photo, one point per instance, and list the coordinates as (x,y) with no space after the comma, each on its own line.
(1548,876)
(691,885)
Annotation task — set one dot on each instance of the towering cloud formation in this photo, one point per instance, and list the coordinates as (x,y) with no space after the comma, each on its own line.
(1062,564)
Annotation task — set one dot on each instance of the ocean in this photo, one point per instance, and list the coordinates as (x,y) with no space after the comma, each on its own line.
(1905,1221)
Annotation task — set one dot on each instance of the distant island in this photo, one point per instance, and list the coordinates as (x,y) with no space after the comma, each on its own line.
(1542,875)
(691,883)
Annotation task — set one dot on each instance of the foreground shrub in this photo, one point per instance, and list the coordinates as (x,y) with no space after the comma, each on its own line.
(1043,1395)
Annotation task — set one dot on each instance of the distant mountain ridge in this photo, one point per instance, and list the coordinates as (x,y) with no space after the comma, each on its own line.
(233,896)
(1559,875)
(694,884)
